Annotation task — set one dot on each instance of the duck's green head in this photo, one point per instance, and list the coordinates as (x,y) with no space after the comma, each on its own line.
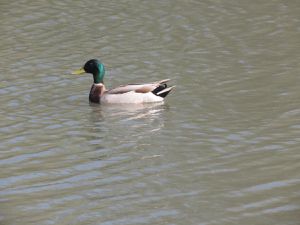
(95,67)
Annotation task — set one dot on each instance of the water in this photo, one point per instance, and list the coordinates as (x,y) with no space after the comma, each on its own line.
(223,149)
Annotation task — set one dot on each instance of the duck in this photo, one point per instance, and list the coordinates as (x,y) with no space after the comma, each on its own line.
(130,93)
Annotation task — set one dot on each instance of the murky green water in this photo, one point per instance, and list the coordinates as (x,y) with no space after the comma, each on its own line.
(223,149)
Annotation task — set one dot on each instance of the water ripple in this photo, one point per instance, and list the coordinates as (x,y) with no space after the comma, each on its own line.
(223,149)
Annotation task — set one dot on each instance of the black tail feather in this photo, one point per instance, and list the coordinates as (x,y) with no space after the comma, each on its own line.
(159,90)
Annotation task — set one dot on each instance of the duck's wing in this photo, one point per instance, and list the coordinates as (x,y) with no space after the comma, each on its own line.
(138,88)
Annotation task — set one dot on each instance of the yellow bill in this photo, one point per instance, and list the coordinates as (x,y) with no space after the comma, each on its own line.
(77,72)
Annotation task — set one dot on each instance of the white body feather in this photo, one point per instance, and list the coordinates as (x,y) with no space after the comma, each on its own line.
(131,97)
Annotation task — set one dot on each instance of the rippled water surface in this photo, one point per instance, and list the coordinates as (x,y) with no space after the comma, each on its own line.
(223,148)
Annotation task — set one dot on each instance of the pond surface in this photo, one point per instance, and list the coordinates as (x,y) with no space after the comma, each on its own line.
(223,149)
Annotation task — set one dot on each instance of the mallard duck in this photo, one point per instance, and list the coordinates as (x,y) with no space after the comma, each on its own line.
(130,93)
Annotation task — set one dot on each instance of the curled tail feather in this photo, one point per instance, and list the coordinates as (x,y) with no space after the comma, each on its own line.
(162,90)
